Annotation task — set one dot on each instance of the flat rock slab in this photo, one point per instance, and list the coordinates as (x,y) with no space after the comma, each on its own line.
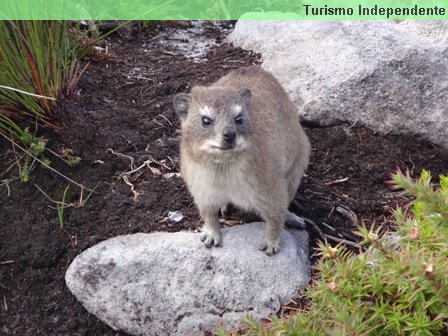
(169,283)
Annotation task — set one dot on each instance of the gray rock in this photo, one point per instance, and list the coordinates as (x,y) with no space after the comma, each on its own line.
(169,283)
(390,77)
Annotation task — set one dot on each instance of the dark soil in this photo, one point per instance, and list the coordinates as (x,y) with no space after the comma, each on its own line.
(122,117)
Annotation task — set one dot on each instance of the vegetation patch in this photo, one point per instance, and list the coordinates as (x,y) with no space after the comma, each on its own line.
(396,286)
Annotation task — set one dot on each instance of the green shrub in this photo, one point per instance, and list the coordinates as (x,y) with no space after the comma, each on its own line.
(39,66)
(40,58)
(397,286)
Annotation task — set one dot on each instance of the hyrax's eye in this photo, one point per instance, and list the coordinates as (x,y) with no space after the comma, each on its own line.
(206,121)
(239,119)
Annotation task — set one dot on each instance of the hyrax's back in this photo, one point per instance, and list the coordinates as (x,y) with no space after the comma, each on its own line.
(242,143)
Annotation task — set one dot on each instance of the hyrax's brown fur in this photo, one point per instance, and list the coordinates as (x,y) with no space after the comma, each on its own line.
(242,143)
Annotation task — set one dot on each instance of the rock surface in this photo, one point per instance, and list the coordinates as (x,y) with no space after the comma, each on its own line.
(390,77)
(169,283)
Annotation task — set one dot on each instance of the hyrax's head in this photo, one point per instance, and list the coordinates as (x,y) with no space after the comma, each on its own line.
(215,122)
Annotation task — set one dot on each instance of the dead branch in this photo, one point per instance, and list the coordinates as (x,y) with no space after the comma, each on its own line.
(314,225)
(327,236)
(110,150)
(345,179)
(65,205)
(348,214)
(166,119)
(6,183)
(126,175)
(343,241)
(141,77)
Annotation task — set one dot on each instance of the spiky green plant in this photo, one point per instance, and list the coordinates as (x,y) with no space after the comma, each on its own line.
(397,286)
(38,66)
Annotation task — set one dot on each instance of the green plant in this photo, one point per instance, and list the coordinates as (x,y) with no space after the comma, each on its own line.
(35,149)
(60,206)
(71,159)
(39,67)
(397,286)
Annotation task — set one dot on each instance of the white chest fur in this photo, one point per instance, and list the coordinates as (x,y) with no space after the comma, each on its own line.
(217,185)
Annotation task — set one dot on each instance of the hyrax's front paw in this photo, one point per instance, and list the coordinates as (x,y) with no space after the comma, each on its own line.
(269,247)
(210,238)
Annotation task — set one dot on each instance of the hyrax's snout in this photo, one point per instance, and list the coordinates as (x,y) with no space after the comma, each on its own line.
(229,134)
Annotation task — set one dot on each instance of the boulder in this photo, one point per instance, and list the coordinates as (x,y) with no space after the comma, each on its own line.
(392,78)
(170,284)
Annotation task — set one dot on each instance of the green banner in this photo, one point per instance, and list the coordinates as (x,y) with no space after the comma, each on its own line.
(223,9)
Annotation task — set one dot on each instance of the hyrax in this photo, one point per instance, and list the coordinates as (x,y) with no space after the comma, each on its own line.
(242,143)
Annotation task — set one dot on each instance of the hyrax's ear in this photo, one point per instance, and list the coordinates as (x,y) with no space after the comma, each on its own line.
(181,103)
(246,95)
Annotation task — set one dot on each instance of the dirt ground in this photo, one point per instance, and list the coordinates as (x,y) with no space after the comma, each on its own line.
(121,118)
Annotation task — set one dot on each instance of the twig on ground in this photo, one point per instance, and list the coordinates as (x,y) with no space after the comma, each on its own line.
(168,176)
(7,170)
(6,183)
(73,239)
(143,165)
(160,163)
(65,205)
(352,125)
(331,212)
(343,241)
(158,123)
(126,180)
(126,175)
(110,150)
(327,236)
(413,164)
(314,225)
(171,160)
(292,308)
(129,142)
(16,155)
(141,77)
(292,301)
(7,262)
(159,36)
(166,119)
(329,227)
(346,236)
(342,180)
(234,61)
(75,204)
(348,214)
(169,53)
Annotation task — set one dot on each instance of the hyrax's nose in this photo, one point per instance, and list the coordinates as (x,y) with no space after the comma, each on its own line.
(228,134)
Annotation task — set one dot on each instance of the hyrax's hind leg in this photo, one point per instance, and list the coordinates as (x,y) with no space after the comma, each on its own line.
(211,232)
(224,210)
(294,177)
(295,221)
